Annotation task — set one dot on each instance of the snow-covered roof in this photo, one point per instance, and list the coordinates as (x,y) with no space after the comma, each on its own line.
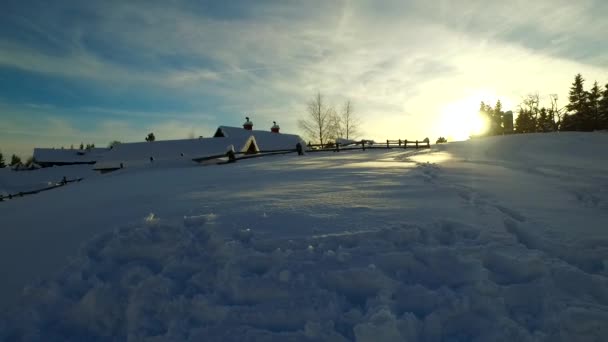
(345,142)
(54,155)
(266,140)
(173,150)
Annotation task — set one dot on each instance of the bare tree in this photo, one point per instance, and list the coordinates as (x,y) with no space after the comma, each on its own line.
(318,122)
(556,112)
(532,103)
(349,121)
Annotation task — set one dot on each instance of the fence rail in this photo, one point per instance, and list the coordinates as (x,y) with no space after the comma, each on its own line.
(63,182)
(366,144)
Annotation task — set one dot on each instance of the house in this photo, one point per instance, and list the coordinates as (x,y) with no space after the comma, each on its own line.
(267,141)
(46,157)
(243,140)
(173,151)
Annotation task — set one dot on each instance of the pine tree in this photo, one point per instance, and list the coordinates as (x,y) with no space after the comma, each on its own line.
(569,123)
(577,107)
(2,164)
(594,96)
(15,160)
(81,146)
(545,122)
(603,104)
(487,112)
(150,137)
(497,114)
(525,122)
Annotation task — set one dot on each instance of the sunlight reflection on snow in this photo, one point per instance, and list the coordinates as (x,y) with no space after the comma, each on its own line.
(382,163)
(433,157)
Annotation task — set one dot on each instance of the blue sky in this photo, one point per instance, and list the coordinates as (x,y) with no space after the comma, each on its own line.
(73,71)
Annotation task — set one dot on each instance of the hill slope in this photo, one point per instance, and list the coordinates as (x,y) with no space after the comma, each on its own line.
(496,238)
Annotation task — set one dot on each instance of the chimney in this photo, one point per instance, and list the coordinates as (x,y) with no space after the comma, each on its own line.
(248,125)
(275,128)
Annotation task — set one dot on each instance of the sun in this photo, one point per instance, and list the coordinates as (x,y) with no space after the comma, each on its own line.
(461,119)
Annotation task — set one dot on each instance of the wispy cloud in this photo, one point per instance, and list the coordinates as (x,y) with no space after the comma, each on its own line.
(401,62)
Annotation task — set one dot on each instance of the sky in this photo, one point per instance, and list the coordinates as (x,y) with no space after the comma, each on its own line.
(98,71)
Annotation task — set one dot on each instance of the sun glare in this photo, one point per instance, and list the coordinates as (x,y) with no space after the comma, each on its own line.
(461,119)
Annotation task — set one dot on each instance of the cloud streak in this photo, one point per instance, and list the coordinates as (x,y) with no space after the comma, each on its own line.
(401,62)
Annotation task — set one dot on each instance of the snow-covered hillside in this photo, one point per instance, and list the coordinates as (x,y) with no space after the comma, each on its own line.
(502,238)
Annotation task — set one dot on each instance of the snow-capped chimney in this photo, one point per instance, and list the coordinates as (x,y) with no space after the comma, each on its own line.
(248,125)
(275,128)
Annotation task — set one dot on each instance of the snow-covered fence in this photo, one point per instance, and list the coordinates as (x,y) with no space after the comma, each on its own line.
(366,144)
(63,182)
(405,143)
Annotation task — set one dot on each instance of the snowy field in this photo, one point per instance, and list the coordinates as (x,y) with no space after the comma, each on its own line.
(496,239)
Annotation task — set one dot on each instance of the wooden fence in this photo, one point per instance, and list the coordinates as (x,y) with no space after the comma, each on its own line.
(63,182)
(366,144)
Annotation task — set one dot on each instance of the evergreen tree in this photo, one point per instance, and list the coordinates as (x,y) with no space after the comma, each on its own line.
(603,105)
(487,112)
(81,146)
(2,164)
(525,122)
(497,115)
(569,123)
(29,161)
(113,143)
(594,96)
(15,160)
(577,107)
(150,137)
(545,122)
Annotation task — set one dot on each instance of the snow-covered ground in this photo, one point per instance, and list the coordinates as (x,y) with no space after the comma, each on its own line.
(502,238)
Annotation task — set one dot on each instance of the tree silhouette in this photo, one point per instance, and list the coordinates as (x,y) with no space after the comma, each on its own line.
(317,123)
(525,122)
(593,118)
(577,107)
(349,121)
(603,105)
(150,137)
(2,164)
(15,160)
(113,143)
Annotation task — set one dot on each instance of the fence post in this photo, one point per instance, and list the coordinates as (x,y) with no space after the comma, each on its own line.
(386,143)
(399,142)
(337,147)
(363,144)
(416,144)
(405,144)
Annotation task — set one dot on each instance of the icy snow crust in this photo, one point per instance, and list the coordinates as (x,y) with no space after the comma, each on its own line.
(498,239)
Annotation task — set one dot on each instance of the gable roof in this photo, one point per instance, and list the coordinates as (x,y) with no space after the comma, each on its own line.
(173,150)
(266,140)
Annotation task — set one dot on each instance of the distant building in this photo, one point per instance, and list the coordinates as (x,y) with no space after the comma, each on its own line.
(271,140)
(507,122)
(46,157)
(243,140)
(173,151)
